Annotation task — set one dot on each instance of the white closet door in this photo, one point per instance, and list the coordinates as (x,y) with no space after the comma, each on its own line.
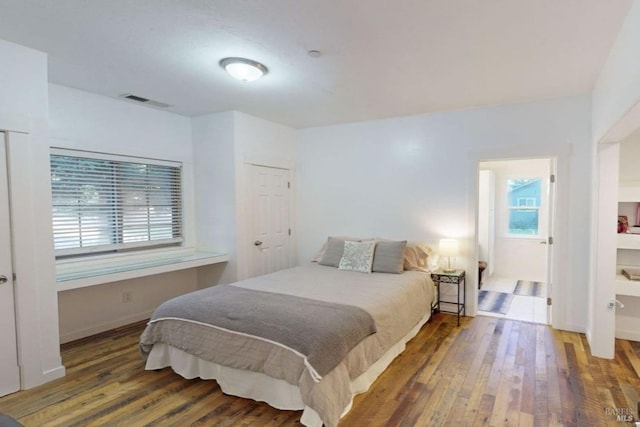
(9,370)
(270,246)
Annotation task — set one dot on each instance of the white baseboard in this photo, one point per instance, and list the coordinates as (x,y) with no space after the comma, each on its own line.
(628,334)
(96,329)
(570,327)
(54,374)
(46,376)
(588,334)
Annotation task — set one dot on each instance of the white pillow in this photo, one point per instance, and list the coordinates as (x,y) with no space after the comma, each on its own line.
(357,256)
(416,255)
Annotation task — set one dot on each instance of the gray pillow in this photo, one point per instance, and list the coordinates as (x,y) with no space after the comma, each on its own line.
(333,254)
(389,257)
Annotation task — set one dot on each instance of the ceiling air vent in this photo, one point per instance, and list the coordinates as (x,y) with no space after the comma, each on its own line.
(144,100)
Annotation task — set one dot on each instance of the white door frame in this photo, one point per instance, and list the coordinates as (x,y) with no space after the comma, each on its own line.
(561,153)
(490,221)
(551,228)
(508,247)
(546,214)
(602,331)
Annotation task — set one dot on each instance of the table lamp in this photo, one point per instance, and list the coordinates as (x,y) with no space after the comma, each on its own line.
(449,248)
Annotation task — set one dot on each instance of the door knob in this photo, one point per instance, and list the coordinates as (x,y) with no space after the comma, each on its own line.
(257,243)
(3,280)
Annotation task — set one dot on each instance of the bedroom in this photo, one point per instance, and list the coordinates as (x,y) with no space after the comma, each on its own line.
(436,150)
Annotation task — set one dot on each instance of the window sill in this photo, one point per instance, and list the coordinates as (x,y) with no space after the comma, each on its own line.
(74,275)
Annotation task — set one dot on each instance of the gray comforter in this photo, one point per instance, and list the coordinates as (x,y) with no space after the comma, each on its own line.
(319,332)
(397,303)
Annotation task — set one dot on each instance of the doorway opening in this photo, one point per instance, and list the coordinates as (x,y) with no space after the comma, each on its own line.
(515,223)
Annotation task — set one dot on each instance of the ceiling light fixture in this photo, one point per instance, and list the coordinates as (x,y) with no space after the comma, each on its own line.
(243,69)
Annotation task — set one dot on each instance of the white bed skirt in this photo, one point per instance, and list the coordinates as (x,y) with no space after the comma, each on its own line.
(261,387)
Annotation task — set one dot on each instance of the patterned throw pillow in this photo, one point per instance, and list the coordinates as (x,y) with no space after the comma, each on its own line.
(357,256)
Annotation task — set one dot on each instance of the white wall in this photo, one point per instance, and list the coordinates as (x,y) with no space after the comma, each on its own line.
(617,89)
(416,177)
(23,108)
(81,120)
(214,171)
(87,311)
(615,113)
(224,144)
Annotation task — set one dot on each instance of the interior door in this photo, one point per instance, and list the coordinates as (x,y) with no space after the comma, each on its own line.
(270,247)
(522,212)
(9,370)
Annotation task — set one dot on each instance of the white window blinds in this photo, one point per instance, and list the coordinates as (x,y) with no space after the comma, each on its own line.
(103,203)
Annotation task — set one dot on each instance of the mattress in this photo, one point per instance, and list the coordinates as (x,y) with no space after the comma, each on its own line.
(398,303)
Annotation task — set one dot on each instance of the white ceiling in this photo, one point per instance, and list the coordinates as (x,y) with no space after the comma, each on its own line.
(380,58)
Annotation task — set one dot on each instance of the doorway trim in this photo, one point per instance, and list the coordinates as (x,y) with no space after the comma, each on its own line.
(561,153)
(602,318)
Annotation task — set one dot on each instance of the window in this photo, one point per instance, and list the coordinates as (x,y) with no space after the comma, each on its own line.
(523,200)
(104,203)
(526,201)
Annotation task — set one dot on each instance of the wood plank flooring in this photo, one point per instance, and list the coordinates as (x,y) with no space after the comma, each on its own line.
(488,371)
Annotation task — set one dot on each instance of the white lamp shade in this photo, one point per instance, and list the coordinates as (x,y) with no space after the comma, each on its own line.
(448,247)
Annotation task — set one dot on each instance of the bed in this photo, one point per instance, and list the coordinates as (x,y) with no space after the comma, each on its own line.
(386,309)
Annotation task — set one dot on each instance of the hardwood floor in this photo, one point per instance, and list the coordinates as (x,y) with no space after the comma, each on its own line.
(488,371)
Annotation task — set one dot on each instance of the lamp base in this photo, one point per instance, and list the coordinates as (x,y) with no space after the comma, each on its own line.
(448,270)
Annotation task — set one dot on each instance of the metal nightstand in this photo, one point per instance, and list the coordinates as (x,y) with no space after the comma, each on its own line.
(456,278)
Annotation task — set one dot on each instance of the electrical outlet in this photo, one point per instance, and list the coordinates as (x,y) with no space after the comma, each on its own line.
(127,297)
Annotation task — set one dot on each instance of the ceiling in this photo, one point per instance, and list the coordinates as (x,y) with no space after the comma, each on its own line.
(379,58)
